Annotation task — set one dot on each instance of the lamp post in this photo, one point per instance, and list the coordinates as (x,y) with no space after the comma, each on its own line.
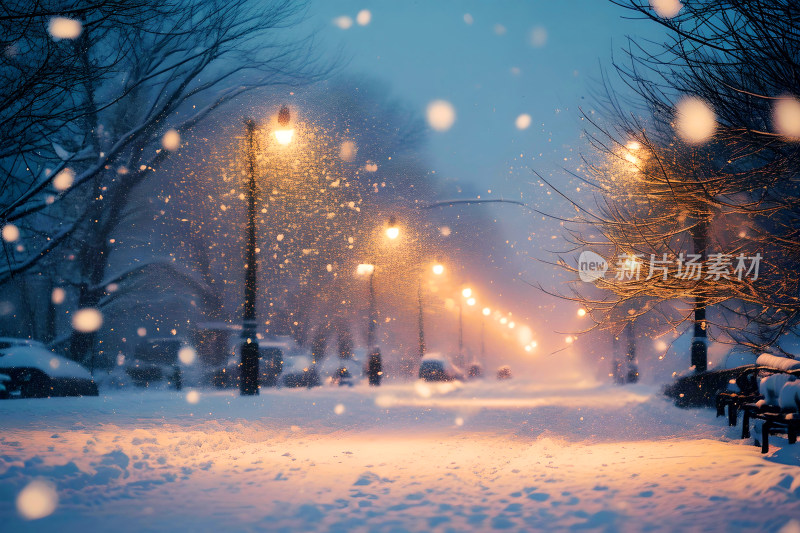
(484,313)
(248,382)
(368,269)
(437,269)
(466,292)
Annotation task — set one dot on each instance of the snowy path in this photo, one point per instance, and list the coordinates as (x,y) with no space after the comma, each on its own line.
(404,457)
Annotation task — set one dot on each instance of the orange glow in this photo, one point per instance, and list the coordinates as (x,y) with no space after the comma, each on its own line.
(284,137)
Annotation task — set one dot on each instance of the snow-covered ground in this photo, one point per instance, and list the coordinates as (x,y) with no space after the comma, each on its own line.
(404,457)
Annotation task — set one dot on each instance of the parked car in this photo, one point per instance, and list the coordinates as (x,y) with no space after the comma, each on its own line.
(8,342)
(338,371)
(155,360)
(504,372)
(475,371)
(300,371)
(33,371)
(4,383)
(270,364)
(436,367)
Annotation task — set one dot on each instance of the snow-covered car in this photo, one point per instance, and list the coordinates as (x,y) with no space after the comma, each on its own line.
(338,371)
(270,364)
(300,371)
(436,367)
(8,342)
(475,371)
(36,372)
(504,372)
(156,360)
(4,382)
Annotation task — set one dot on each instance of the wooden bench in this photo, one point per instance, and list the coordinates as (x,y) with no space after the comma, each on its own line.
(776,420)
(747,381)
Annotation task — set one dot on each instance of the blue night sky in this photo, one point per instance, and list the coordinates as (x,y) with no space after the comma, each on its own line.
(491,70)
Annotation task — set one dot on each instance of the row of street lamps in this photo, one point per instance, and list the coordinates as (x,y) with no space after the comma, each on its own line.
(249,352)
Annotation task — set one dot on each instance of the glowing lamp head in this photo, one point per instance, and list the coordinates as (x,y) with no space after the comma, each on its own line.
(466,292)
(486,311)
(392,231)
(438,269)
(581,312)
(365,269)
(470,301)
(284,137)
(284,134)
(511,325)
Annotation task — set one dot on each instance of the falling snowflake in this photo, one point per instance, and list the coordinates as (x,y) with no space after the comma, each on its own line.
(364,17)
(344,22)
(441,115)
(58,295)
(786,117)
(37,500)
(666,8)
(64,28)
(348,151)
(523,121)
(87,320)
(538,37)
(171,140)
(187,355)
(64,179)
(695,121)
(10,233)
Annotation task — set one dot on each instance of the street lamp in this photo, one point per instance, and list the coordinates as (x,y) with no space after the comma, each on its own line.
(484,313)
(248,382)
(437,269)
(368,269)
(466,292)
(392,230)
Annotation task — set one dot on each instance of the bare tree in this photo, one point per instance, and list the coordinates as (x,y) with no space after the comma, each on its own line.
(733,197)
(136,71)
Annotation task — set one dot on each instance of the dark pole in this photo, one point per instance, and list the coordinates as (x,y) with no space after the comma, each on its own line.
(421,322)
(460,335)
(632,375)
(483,343)
(699,341)
(248,382)
(373,317)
